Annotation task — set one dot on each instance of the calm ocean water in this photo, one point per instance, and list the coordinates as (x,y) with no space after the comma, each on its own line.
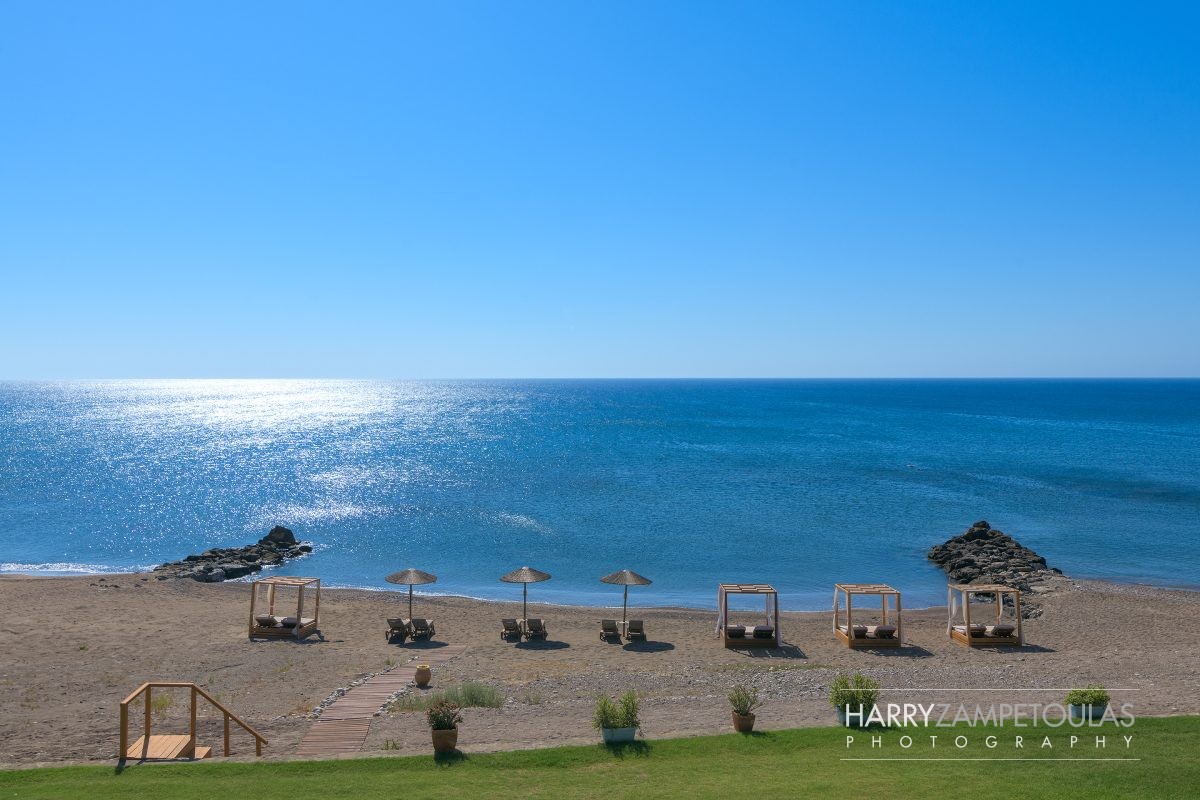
(799,483)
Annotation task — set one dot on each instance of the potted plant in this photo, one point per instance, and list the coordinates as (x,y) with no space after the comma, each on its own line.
(617,721)
(443,719)
(854,694)
(1088,703)
(744,702)
(423,676)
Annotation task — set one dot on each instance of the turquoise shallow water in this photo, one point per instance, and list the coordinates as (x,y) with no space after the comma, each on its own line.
(799,483)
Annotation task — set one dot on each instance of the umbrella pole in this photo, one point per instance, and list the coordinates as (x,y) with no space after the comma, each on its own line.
(525,600)
(625,608)
(410,601)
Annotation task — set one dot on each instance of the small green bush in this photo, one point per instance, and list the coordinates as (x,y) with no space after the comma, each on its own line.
(622,713)
(851,692)
(1094,694)
(160,704)
(469,695)
(744,701)
(629,710)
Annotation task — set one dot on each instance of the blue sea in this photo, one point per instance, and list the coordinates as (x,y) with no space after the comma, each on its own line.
(798,483)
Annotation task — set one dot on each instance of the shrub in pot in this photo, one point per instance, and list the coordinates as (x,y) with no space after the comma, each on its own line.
(1088,703)
(744,702)
(443,719)
(853,694)
(617,721)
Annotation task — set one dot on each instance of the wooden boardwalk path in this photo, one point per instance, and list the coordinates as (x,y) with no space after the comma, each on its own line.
(343,726)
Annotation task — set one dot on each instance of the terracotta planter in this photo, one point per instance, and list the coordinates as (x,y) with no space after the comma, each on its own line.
(445,740)
(743,723)
(423,677)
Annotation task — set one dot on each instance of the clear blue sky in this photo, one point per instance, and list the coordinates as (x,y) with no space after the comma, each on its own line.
(599,189)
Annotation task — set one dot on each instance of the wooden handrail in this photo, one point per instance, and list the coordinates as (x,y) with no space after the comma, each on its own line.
(149,687)
(232,716)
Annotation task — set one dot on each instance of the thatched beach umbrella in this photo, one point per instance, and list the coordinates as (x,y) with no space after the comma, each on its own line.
(411,577)
(626,578)
(525,576)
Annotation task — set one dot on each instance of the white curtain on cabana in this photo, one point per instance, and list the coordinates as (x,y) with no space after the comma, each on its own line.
(952,605)
(720,610)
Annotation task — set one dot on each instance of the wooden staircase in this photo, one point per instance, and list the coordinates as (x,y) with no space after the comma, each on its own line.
(174,747)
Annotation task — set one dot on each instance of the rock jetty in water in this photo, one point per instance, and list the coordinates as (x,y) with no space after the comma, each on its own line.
(986,555)
(227,563)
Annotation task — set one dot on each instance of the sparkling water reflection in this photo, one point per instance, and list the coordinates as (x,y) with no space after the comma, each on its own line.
(801,483)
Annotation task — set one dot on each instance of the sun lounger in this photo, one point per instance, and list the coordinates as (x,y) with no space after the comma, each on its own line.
(397,627)
(509,628)
(764,632)
(292,622)
(608,629)
(422,628)
(535,629)
(977,630)
(635,630)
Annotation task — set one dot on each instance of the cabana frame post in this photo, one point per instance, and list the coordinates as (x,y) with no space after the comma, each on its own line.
(891,612)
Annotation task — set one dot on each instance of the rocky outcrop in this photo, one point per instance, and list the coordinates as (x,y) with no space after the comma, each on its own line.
(986,555)
(227,563)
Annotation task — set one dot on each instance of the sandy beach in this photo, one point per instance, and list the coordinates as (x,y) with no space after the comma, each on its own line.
(71,648)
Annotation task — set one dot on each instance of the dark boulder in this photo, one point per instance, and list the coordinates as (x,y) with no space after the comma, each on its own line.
(279,535)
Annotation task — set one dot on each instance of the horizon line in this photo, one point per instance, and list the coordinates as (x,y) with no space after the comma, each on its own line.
(980,378)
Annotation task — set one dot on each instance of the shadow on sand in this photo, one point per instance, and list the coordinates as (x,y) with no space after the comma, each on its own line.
(905,651)
(542,644)
(1007,648)
(313,638)
(648,647)
(423,644)
(787,651)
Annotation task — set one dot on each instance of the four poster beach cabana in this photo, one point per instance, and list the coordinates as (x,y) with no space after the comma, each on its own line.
(268,624)
(978,634)
(768,635)
(884,634)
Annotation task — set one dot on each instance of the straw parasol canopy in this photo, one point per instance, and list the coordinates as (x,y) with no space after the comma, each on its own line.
(626,578)
(411,577)
(525,576)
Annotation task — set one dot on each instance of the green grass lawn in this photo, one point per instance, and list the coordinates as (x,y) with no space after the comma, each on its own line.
(794,763)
